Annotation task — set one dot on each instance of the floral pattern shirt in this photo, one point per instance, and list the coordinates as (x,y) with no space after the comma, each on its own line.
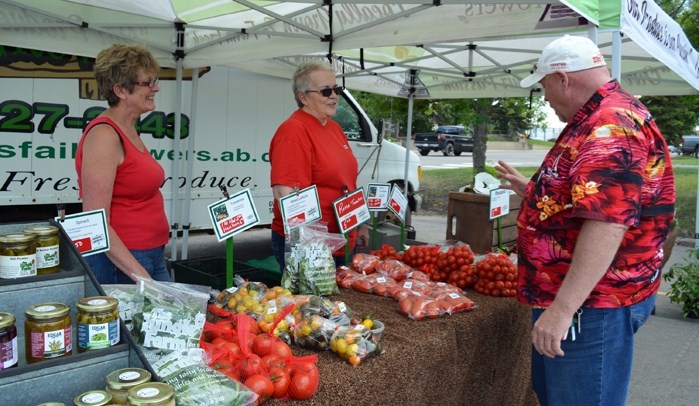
(610,164)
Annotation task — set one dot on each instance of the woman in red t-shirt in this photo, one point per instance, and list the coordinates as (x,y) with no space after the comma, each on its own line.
(311,149)
(117,173)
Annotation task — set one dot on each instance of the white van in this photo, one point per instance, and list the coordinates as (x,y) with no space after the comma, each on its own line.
(47,99)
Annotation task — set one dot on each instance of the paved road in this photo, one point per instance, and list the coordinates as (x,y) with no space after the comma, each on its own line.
(516,158)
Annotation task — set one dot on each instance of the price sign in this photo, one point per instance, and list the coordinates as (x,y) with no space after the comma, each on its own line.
(233,215)
(88,231)
(300,208)
(351,210)
(398,203)
(499,203)
(377,196)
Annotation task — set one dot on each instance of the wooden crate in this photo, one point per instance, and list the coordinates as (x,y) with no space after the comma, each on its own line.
(468,221)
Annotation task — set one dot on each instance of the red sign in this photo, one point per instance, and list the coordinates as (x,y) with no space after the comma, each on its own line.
(395,205)
(350,204)
(232,223)
(83,244)
(496,212)
(373,202)
(349,222)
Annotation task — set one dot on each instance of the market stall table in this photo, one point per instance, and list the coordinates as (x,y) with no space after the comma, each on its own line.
(476,358)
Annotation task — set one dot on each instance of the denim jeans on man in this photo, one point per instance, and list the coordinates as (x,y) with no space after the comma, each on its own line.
(107,273)
(596,367)
(279,248)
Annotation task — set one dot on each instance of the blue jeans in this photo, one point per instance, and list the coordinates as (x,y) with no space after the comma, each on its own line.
(107,273)
(278,249)
(596,367)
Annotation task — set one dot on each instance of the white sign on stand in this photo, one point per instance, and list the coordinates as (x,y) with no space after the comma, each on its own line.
(299,208)
(351,210)
(377,196)
(233,215)
(398,203)
(499,203)
(87,230)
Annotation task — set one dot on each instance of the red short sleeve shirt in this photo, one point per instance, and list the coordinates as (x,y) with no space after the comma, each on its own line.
(611,164)
(303,152)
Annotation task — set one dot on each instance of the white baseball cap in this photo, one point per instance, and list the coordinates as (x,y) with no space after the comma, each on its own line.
(567,54)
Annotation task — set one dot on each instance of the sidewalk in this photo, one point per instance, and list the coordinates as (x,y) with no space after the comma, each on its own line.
(666,355)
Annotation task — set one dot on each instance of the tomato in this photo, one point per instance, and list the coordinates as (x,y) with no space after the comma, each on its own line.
(273,361)
(224,329)
(251,365)
(281,349)
(306,367)
(303,385)
(262,344)
(261,385)
(281,380)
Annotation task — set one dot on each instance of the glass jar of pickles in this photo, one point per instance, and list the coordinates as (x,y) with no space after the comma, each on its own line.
(98,323)
(151,394)
(93,398)
(17,255)
(8,341)
(120,381)
(47,242)
(48,331)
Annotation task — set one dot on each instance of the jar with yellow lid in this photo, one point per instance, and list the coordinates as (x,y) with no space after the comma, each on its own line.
(47,242)
(120,381)
(48,331)
(17,255)
(151,394)
(93,398)
(9,356)
(98,323)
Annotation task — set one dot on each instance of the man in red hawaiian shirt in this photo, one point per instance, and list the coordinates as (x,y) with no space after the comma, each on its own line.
(591,229)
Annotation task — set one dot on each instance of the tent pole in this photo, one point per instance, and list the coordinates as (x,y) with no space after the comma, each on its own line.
(186,221)
(616,55)
(408,133)
(174,225)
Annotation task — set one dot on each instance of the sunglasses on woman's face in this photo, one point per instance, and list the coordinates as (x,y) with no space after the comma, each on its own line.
(147,83)
(327,91)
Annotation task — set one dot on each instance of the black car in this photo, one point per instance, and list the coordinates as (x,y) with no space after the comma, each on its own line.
(455,139)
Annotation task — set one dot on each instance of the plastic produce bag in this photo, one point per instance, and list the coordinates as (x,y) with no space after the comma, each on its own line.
(310,268)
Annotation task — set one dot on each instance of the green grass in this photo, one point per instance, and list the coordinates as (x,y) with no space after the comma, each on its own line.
(437,183)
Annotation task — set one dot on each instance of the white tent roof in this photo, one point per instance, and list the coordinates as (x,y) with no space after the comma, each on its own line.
(462,48)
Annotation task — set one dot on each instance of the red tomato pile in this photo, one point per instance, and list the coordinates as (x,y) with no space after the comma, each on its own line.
(387,252)
(263,363)
(424,258)
(456,263)
(497,276)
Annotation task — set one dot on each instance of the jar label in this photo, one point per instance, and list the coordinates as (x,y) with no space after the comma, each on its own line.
(97,302)
(44,309)
(50,344)
(129,376)
(8,353)
(91,398)
(47,257)
(96,336)
(147,392)
(17,266)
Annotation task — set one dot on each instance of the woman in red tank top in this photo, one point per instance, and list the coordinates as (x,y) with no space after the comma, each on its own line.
(117,173)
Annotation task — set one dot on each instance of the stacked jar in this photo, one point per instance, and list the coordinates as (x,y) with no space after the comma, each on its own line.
(9,356)
(47,252)
(47,331)
(17,255)
(98,323)
(122,380)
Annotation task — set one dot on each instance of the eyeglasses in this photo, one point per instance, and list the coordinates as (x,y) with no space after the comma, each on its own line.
(327,91)
(150,83)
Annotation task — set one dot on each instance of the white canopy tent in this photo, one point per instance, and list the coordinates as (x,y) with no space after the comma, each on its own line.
(462,49)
